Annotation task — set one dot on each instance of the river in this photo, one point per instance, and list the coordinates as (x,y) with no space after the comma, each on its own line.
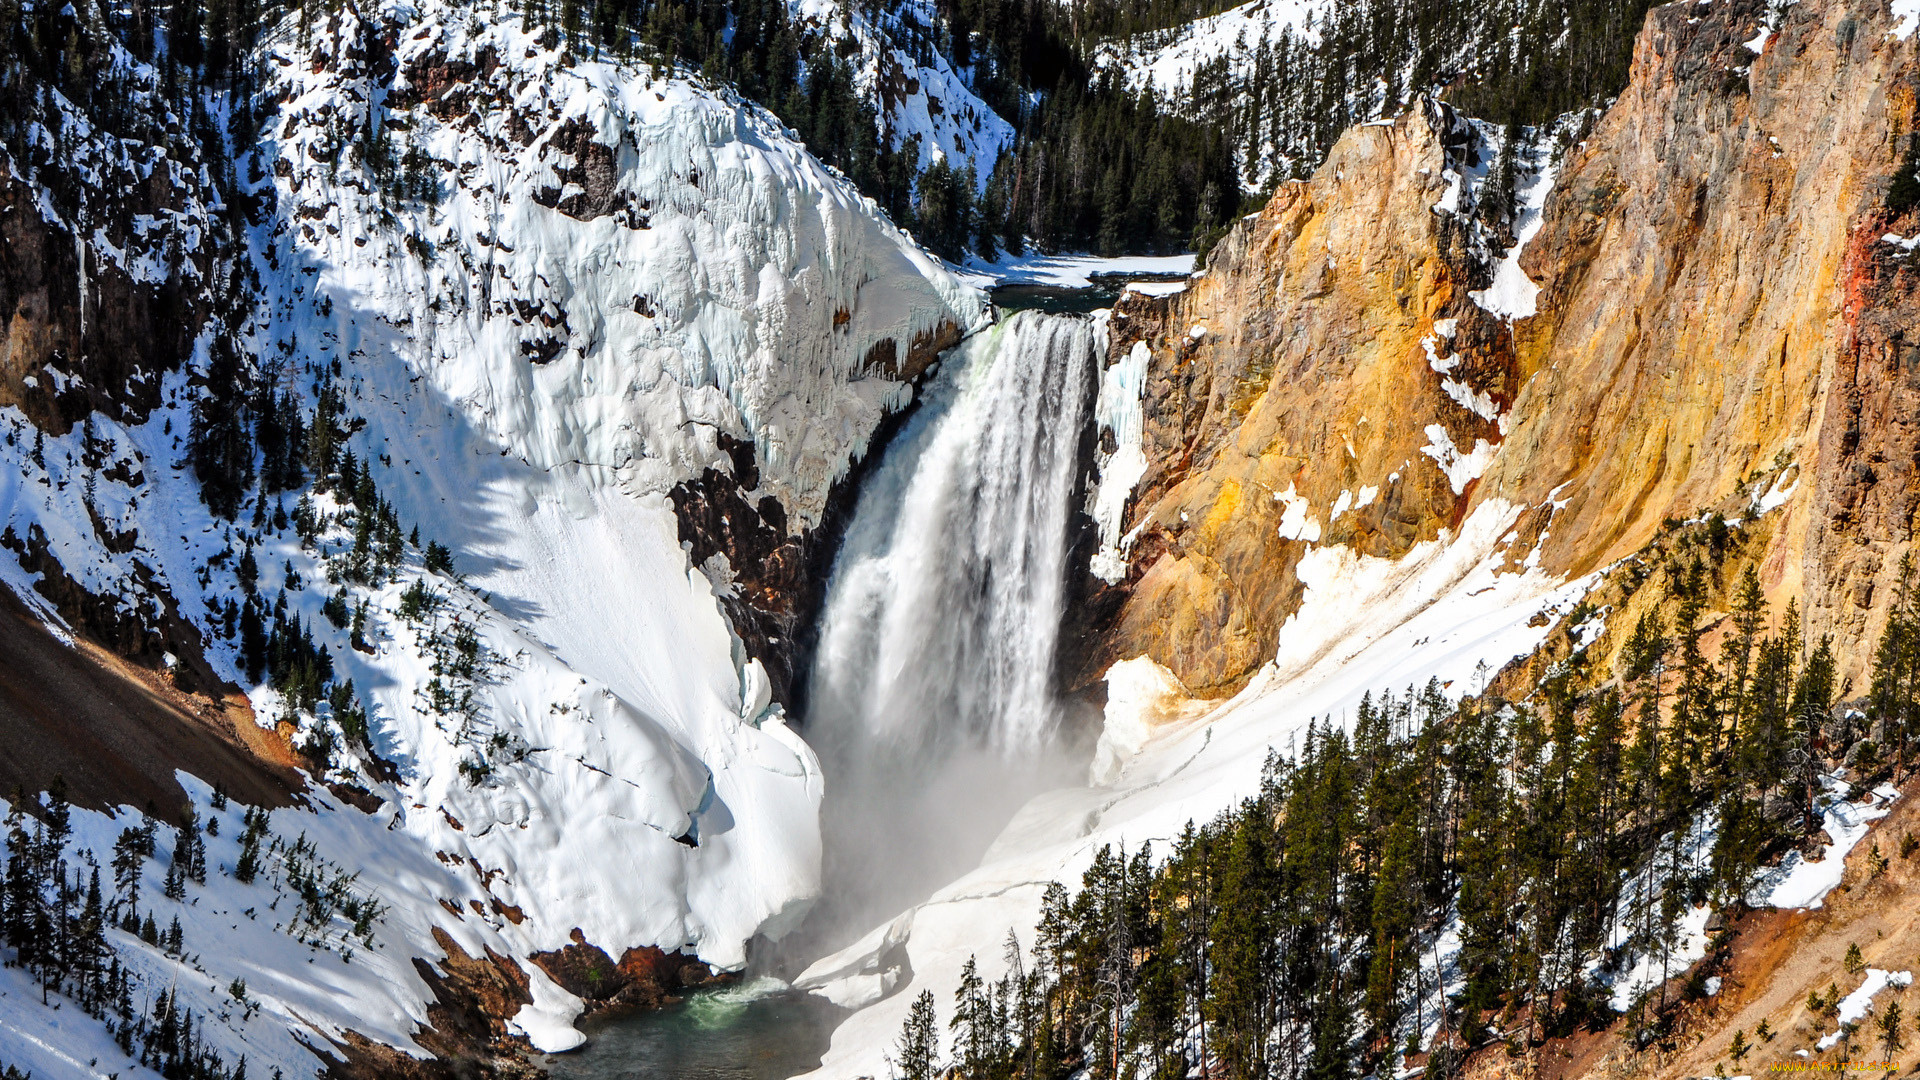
(756,1030)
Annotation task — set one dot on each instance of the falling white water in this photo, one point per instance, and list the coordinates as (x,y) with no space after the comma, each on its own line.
(931,698)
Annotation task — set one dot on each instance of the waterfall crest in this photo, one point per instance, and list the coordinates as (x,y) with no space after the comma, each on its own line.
(931,697)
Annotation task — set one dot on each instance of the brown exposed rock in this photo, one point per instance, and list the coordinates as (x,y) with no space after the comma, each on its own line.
(117,731)
(771,587)
(589,174)
(1310,377)
(446,86)
(926,347)
(777,578)
(1868,475)
(466,1029)
(356,1057)
(645,978)
(475,997)
(883,357)
(1716,312)
(109,345)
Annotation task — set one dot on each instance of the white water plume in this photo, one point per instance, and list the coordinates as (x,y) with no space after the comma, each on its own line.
(932,702)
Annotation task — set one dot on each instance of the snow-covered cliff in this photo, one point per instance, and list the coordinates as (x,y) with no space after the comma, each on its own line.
(611,270)
(537,292)
(916,93)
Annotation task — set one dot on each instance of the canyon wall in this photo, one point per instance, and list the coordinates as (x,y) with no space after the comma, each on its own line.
(1717,306)
(1709,318)
(1297,395)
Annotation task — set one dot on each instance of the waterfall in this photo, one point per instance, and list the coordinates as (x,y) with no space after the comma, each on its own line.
(931,697)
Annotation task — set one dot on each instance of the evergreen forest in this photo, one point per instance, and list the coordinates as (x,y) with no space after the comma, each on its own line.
(1099,165)
(1444,878)
(89,942)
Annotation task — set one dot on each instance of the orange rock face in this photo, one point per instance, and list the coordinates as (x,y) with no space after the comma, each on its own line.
(1292,377)
(1696,329)
(1717,312)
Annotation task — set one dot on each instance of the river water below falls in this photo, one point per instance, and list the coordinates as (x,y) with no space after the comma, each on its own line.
(754,1031)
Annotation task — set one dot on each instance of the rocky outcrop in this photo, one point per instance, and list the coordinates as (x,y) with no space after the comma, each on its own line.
(108,243)
(644,978)
(467,1025)
(760,571)
(1718,315)
(469,1028)
(589,179)
(770,569)
(1293,397)
(1713,312)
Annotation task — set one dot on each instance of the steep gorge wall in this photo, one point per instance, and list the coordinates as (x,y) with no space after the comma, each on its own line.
(1293,379)
(570,308)
(1717,313)
(1711,275)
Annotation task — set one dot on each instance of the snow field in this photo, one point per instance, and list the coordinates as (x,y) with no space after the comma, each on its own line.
(1513,295)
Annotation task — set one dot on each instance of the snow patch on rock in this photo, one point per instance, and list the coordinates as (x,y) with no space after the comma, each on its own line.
(1460,469)
(1906,14)
(1118,410)
(1297,521)
(1513,295)
(1853,1008)
(1799,882)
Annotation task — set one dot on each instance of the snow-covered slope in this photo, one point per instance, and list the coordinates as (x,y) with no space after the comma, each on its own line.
(621,269)
(1167,60)
(1365,625)
(546,291)
(916,92)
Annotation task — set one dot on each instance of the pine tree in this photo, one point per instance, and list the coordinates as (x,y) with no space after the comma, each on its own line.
(1812,698)
(217,443)
(1890,1026)
(1903,194)
(19,914)
(919,1047)
(248,570)
(972,1026)
(1894,698)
